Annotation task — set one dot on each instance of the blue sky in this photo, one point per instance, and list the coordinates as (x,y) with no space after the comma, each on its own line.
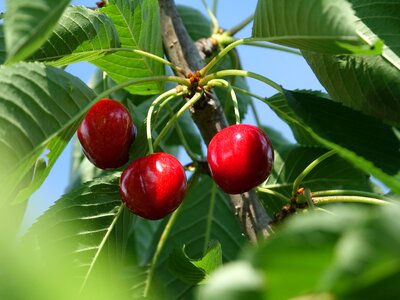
(291,71)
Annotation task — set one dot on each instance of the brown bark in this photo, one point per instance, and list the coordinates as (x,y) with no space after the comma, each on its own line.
(208,115)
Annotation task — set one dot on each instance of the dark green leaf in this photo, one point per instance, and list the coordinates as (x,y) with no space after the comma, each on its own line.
(366,142)
(190,230)
(366,83)
(332,173)
(138,26)
(40,111)
(195,271)
(314,25)
(2,45)
(82,34)
(28,24)
(197,25)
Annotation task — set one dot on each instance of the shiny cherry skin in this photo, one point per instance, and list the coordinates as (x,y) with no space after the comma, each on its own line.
(153,186)
(240,158)
(106,134)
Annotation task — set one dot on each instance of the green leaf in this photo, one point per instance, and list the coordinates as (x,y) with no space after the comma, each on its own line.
(366,142)
(234,281)
(28,24)
(79,224)
(138,26)
(350,254)
(333,173)
(314,25)
(40,111)
(366,83)
(82,34)
(190,230)
(3,52)
(197,25)
(195,271)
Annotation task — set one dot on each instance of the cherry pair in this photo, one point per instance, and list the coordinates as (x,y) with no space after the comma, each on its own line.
(152,186)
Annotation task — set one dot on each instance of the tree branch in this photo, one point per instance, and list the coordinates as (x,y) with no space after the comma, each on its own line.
(208,114)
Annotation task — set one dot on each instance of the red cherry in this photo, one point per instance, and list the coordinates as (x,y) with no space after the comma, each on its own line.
(106,134)
(240,157)
(153,186)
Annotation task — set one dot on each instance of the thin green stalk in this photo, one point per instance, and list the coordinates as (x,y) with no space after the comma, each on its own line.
(167,95)
(348,193)
(214,7)
(255,113)
(214,21)
(172,121)
(160,247)
(309,168)
(193,156)
(273,193)
(274,47)
(348,199)
(163,239)
(210,218)
(224,83)
(229,72)
(235,29)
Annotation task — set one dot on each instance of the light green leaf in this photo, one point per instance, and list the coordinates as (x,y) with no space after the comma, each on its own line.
(366,142)
(28,24)
(138,26)
(39,112)
(314,25)
(82,34)
(367,83)
(195,271)
(351,253)
(79,224)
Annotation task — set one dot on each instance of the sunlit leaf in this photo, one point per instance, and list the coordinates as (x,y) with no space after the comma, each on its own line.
(82,34)
(138,25)
(40,110)
(314,25)
(28,24)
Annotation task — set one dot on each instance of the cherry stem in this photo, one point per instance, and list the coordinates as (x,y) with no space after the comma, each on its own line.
(240,26)
(348,193)
(183,140)
(168,95)
(348,199)
(308,169)
(164,237)
(252,105)
(210,218)
(224,83)
(232,72)
(214,7)
(214,21)
(273,193)
(172,121)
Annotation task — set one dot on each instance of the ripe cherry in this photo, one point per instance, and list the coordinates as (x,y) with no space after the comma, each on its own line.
(240,157)
(106,134)
(153,186)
